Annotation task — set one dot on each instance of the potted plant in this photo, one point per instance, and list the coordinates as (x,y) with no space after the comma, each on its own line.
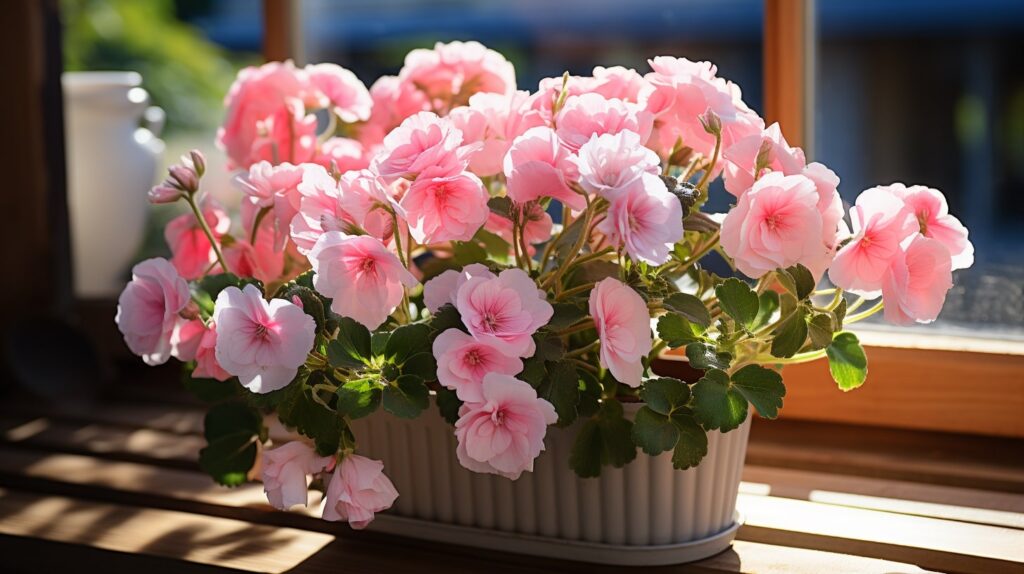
(397,295)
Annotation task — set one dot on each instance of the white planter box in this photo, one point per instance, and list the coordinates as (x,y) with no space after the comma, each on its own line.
(646,513)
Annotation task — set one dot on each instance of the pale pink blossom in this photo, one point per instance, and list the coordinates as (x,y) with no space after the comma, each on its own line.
(272,189)
(740,159)
(192,253)
(358,200)
(494,120)
(261,342)
(881,222)
(679,91)
(207,366)
(451,73)
(503,432)
(616,82)
(929,207)
(591,114)
(462,363)
(393,101)
(916,283)
(349,98)
(286,470)
(537,228)
(422,141)
(623,326)
(343,154)
(646,219)
(148,309)
(165,192)
(258,262)
(188,334)
(505,311)
(287,135)
(443,289)
(611,163)
(441,206)
(537,165)
(775,224)
(364,280)
(358,489)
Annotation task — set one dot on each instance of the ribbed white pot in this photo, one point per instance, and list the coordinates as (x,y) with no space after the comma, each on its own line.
(646,513)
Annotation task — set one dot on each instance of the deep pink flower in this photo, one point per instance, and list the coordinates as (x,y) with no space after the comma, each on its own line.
(537,165)
(592,114)
(348,96)
(286,471)
(503,432)
(445,207)
(916,283)
(462,363)
(932,213)
(261,342)
(505,310)
(611,163)
(422,141)
(358,489)
(148,309)
(192,253)
(451,73)
(493,121)
(623,326)
(444,288)
(363,278)
(646,219)
(881,222)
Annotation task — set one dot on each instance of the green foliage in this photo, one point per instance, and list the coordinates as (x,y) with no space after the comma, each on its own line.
(762,387)
(448,404)
(790,336)
(692,446)
(423,365)
(565,315)
(300,410)
(406,397)
(501,206)
(819,328)
(351,350)
(767,305)
(359,398)
(209,390)
(665,395)
(677,331)
(605,439)
(311,302)
(798,280)
(561,388)
(406,341)
(654,432)
(738,301)
(468,252)
(690,307)
(716,404)
(232,432)
(705,356)
(847,361)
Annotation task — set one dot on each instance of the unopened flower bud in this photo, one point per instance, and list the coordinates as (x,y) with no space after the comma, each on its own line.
(711,122)
(198,162)
(765,157)
(185,176)
(165,192)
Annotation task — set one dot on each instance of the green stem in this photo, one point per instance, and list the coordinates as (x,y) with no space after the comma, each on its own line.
(714,160)
(575,290)
(801,358)
(864,314)
(191,200)
(588,214)
(583,326)
(583,350)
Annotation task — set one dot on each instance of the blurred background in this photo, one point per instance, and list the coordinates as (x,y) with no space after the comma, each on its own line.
(922,91)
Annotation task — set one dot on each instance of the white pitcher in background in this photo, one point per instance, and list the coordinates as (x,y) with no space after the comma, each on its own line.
(113,153)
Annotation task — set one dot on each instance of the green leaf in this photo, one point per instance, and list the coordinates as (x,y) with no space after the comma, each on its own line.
(497,248)
(820,330)
(738,301)
(534,371)
(501,206)
(665,394)
(762,387)
(590,394)
(605,439)
(447,317)
(423,365)
(356,399)
(840,314)
(448,404)
(561,388)
(311,303)
(654,432)
(846,361)
(676,331)
(406,341)
(802,281)
(549,348)
(768,304)
(468,252)
(790,336)
(209,390)
(565,315)
(593,272)
(704,356)
(406,397)
(214,284)
(231,418)
(717,405)
(690,307)
(352,347)
(378,341)
(229,458)
(565,243)
(692,445)
(298,409)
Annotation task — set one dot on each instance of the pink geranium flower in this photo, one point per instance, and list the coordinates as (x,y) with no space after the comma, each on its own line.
(348,96)
(393,101)
(592,114)
(536,230)
(422,141)
(504,311)
(364,279)
(148,309)
(207,366)
(493,121)
(358,489)
(616,82)
(444,288)
(192,253)
(623,326)
(934,220)
(462,363)
(740,159)
(646,219)
(274,188)
(881,222)
(343,154)
(261,342)
(916,283)
(286,471)
(611,163)
(451,73)
(537,165)
(260,260)
(441,206)
(775,224)
(287,135)
(503,432)
(358,199)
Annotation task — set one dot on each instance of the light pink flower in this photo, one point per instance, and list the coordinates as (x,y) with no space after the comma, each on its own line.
(358,489)
(263,343)
(344,154)
(929,207)
(192,253)
(915,286)
(207,366)
(592,114)
(505,310)
(494,120)
(503,432)
(287,135)
(393,101)
(740,159)
(358,199)
(422,141)
(616,82)
(462,363)
(537,165)
(611,163)
(441,206)
(286,471)
(363,278)
(775,224)
(274,188)
(678,91)
(348,96)
(147,310)
(188,334)
(623,326)
(646,219)
(881,222)
(451,73)
(537,229)
(260,260)
(443,289)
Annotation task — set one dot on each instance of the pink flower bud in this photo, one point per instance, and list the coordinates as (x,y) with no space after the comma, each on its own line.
(166,192)
(198,162)
(185,176)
